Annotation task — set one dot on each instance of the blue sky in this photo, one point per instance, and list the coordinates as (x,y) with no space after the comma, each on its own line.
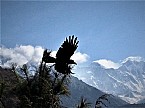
(106,30)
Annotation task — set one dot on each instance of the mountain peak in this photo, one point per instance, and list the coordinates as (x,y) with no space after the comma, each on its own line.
(133,58)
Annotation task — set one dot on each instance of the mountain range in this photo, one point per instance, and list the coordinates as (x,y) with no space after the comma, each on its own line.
(79,89)
(127,81)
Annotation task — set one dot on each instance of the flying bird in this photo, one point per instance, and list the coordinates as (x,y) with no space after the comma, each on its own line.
(63,55)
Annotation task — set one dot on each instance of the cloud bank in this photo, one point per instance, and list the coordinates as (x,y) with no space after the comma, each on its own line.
(21,55)
(108,64)
(29,54)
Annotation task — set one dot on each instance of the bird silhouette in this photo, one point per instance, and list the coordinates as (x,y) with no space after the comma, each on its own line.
(63,55)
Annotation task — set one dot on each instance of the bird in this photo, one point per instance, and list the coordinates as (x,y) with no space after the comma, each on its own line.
(63,55)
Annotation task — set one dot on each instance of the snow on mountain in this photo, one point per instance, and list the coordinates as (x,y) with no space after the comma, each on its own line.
(78,89)
(131,58)
(127,81)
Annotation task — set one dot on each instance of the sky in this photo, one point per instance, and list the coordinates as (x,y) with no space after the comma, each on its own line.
(109,30)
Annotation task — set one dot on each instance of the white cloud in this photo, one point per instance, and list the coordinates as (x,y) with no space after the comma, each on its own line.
(21,54)
(80,57)
(53,53)
(108,64)
(29,54)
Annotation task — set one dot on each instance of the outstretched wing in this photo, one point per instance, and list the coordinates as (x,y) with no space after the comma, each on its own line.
(67,49)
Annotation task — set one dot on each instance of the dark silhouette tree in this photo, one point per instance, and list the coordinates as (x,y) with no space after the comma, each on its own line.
(84,103)
(43,90)
(99,101)
(2,87)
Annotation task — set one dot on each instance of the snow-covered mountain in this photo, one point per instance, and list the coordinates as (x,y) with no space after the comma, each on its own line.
(127,81)
(78,89)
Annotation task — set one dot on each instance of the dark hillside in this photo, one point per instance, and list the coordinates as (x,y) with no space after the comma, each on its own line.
(9,79)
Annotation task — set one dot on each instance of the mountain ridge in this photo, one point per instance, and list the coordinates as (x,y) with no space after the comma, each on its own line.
(127,82)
